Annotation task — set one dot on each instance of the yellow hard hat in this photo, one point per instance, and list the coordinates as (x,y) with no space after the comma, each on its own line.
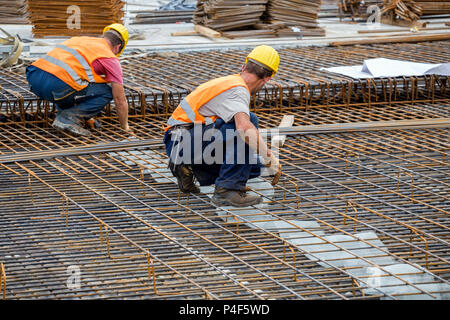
(267,56)
(120,28)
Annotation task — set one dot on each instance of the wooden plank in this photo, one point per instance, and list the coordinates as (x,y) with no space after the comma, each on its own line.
(286,122)
(207,32)
(401,30)
(184,33)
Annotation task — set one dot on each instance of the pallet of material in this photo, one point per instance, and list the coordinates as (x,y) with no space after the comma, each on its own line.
(223,15)
(13,12)
(156,16)
(53,17)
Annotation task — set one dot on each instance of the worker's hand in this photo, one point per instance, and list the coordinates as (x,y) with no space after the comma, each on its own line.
(274,169)
(277,176)
(273,164)
(128,130)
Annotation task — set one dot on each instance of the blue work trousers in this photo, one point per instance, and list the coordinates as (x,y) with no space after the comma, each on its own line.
(72,105)
(229,173)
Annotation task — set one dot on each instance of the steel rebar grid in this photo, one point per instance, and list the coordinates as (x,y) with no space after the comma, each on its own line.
(396,232)
(395,183)
(151,126)
(156,85)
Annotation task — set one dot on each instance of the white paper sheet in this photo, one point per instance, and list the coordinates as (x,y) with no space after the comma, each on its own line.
(384,68)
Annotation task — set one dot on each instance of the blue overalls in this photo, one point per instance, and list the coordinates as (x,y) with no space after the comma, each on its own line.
(73,106)
(228,174)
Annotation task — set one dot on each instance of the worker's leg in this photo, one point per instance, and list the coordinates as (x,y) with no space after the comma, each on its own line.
(184,167)
(234,174)
(73,106)
(89,102)
(46,86)
(182,171)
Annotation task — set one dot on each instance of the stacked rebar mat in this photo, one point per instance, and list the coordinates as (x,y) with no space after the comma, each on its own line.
(72,17)
(222,15)
(13,12)
(302,14)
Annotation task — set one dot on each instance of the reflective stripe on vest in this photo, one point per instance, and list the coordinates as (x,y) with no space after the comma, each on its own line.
(187,111)
(80,59)
(172,122)
(72,61)
(191,114)
(67,68)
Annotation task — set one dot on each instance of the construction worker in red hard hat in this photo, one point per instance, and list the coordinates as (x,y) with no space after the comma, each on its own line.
(213,136)
(81,76)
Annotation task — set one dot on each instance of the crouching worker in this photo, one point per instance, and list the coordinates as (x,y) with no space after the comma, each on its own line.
(213,136)
(81,76)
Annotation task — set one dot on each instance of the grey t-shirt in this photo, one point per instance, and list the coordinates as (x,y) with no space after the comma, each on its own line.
(227,104)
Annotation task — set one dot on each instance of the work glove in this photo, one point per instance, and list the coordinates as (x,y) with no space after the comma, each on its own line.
(274,167)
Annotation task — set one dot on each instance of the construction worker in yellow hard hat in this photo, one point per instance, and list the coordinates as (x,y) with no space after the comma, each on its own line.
(220,109)
(81,76)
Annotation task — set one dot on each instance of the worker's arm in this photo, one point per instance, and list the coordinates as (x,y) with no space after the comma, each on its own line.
(250,134)
(121,104)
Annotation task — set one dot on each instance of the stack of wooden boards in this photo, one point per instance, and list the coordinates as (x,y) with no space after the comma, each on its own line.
(73,18)
(404,9)
(157,16)
(259,18)
(407,10)
(223,15)
(434,7)
(302,14)
(13,12)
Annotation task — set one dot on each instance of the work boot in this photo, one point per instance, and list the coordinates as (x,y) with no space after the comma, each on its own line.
(185,177)
(235,198)
(71,128)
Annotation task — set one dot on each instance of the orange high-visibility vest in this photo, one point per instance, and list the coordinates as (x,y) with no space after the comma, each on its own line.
(187,111)
(72,60)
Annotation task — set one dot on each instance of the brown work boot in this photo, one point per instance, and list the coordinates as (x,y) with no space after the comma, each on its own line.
(235,198)
(185,177)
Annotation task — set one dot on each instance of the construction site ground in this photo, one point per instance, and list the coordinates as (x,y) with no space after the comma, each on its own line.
(158,37)
(360,212)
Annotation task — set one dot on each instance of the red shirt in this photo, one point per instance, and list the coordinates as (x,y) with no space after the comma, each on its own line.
(109,68)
